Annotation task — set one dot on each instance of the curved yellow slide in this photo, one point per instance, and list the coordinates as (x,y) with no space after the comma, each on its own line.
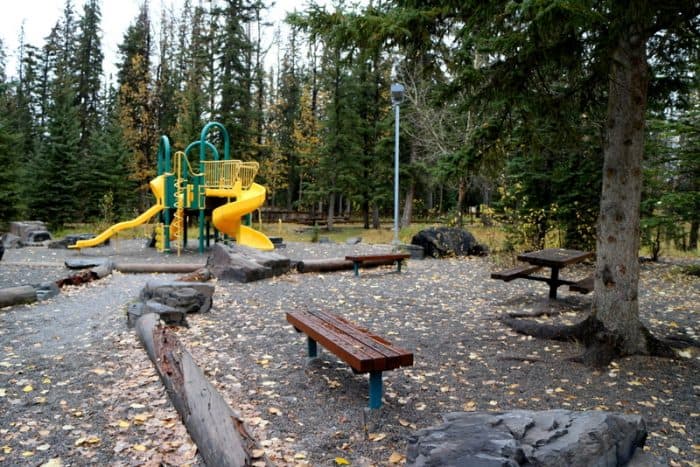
(158,188)
(227,218)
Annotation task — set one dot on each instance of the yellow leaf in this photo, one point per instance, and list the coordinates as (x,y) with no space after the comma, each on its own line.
(651,405)
(396,458)
(404,422)
(377,436)
(99,371)
(300,455)
(341,461)
(469,406)
(6,449)
(93,440)
(77,413)
(140,418)
(27,453)
(3,392)
(139,447)
(258,453)
(28,388)
(674,450)
(55,462)
(124,424)
(46,380)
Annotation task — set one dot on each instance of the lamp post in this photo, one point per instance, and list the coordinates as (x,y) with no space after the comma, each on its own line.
(397,92)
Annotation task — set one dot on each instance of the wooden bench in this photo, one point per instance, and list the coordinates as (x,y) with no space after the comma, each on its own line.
(583,286)
(514,273)
(377,260)
(364,351)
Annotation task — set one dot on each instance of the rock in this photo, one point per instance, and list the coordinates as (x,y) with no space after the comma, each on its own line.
(353,240)
(35,237)
(133,311)
(83,263)
(188,297)
(2,250)
(68,240)
(448,241)
(416,251)
(10,240)
(168,314)
(549,438)
(243,264)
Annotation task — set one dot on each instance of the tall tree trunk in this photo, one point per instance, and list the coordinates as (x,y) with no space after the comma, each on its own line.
(461,196)
(331,210)
(410,192)
(616,303)
(693,237)
(375,217)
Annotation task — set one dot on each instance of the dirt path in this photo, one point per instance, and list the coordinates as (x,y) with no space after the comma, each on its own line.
(76,386)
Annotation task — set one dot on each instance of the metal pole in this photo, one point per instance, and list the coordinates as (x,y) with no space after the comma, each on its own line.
(396,177)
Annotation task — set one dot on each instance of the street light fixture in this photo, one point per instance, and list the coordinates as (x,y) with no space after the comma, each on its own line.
(397,94)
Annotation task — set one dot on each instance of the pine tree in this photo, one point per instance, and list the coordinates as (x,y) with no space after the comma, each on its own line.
(9,175)
(136,112)
(89,70)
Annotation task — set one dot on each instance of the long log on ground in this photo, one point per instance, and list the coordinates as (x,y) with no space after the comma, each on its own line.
(220,435)
(337,264)
(17,295)
(174,268)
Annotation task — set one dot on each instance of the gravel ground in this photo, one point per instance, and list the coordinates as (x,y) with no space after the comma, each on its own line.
(75,384)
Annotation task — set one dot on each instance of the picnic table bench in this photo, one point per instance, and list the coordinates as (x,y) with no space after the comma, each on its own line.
(364,351)
(553,258)
(374,260)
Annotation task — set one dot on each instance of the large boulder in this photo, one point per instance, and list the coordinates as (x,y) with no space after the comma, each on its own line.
(439,242)
(171,301)
(244,264)
(550,438)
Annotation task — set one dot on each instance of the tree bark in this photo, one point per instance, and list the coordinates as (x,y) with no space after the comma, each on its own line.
(219,432)
(693,237)
(616,303)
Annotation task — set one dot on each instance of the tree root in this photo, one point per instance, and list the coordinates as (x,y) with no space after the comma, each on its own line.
(601,345)
(536,314)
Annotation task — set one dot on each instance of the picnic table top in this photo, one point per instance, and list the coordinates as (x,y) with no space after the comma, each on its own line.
(555,257)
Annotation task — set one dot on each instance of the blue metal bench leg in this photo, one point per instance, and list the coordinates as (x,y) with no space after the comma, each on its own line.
(375,389)
(356,267)
(398,265)
(311,345)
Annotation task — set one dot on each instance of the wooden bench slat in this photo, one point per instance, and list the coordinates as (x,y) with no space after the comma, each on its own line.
(513,273)
(384,257)
(395,356)
(585,285)
(358,347)
(360,358)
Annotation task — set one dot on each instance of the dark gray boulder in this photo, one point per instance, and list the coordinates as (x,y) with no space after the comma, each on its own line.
(439,242)
(550,438)
(68,240)
(189,297)
(244,264)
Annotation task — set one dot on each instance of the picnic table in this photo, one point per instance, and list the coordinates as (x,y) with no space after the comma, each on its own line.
(552,258)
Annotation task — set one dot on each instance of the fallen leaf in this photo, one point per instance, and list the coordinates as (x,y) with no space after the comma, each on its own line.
(55,462)
(274,411)
(376,436)
(139,447)
(43,447)
(28,388)
(3,392)
(341,461)
(396,458)
(258,452)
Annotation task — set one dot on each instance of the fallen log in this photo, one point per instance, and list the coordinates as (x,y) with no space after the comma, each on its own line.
(174,268)
(220,435)
(336,264)
(17,295)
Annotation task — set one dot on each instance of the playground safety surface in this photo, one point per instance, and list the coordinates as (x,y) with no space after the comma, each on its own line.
(75,384)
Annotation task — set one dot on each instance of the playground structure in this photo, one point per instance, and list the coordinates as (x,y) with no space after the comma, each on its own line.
(221,193)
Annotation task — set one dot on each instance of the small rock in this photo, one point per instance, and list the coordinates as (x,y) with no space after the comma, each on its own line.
(353,240)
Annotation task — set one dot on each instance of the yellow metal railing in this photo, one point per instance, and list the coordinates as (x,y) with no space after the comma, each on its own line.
(248,172)
(221,174)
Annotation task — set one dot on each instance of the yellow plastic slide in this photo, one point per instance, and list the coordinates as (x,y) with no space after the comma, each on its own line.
(158,188)
(227,218)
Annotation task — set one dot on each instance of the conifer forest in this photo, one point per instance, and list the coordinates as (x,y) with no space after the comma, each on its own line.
(508,109)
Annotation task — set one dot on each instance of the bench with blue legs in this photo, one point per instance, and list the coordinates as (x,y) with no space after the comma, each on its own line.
(364,351)
(377,260)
